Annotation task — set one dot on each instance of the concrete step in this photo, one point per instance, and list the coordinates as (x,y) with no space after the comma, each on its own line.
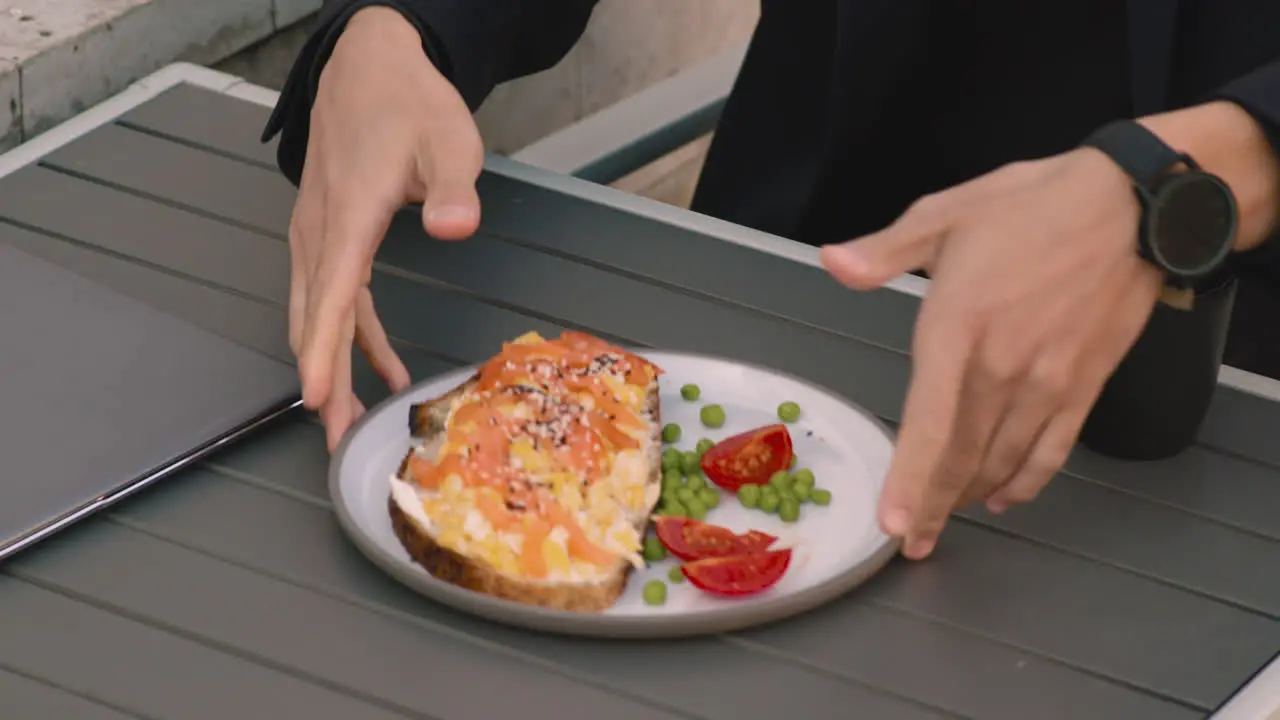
(59,57)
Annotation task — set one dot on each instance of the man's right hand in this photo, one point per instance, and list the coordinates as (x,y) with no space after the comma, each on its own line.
(386,129)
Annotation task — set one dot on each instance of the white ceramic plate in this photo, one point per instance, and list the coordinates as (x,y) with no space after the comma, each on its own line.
(836,547)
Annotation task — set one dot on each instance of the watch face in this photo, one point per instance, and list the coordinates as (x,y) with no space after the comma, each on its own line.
(1191,223)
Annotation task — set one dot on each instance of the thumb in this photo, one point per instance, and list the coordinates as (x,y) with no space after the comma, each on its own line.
(451,208)
(869,262)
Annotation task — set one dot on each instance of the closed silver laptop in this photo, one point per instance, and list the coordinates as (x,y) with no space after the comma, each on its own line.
(102,395)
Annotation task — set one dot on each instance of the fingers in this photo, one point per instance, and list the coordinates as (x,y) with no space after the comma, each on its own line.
(305,227)
(373,341)
(297,289)
(449,168)
(912,242)
(983,403)
(908,244)
(355,222)
(342,407)
(1045,458)
(1009,449)
(450,215)
(929,415)
(1053,446)
(1041,394)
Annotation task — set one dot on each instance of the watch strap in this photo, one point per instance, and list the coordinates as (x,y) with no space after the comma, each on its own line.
(1145,158)
(1137,150)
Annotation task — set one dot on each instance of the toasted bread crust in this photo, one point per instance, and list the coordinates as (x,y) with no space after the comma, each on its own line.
(426,420)
(465,572)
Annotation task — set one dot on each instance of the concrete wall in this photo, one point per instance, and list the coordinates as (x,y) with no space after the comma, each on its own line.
(59,57)
(628,45)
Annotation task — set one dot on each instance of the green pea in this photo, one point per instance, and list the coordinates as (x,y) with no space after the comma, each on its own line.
(685,494)
(821,497)
(709,497)
(655,592)
(749,496)
(673,479)
(711,415)
(668,497)
(768,491)
(697,510)
(787,493)
(690,392)
(804,476)
(670,458)
(670,433)
(769,503)
(703,446)
(690,462)
(788,412)
(789,510)
(674,508)
(675,575)
(803,493)
(653,549)
(780,479)
(695,482)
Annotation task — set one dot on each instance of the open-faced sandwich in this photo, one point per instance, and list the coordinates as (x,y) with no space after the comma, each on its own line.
(534,480)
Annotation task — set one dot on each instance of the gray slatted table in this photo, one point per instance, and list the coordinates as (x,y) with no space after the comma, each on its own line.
(1126,591)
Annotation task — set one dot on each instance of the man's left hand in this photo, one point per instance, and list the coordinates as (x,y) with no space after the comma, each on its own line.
(1037,293)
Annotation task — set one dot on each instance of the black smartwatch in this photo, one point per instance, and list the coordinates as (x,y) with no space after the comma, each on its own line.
(1189,216)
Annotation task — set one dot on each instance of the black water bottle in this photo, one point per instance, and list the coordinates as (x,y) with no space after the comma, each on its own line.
(1154,403)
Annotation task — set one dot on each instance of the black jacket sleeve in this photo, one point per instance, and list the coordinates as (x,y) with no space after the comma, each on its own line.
(1258,93)
(476,44)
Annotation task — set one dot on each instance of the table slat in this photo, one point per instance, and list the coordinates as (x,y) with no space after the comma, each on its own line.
(1244,424)
(1232,490)
(1121,625)
(426,668)
(974,674)
(668,671)
(22,697)
(202,116)
(695,263)
(149,671)
(1237,421)
(880,647)
(1107,621)
(1098,522)
(251,195)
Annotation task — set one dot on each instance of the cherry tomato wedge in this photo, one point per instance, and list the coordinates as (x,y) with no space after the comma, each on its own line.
(690,539)
(748,458)
(738,575)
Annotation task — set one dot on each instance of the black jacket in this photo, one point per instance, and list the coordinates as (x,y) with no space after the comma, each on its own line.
(796,83)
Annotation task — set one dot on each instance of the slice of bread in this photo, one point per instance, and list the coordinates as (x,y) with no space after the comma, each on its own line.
(590,593)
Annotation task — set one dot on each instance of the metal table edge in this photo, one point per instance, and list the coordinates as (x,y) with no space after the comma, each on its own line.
(1257,699)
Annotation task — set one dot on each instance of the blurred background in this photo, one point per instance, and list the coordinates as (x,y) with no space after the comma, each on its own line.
(58,57)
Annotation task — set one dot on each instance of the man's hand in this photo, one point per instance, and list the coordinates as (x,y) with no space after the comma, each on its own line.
(386,129)
(1037,293)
